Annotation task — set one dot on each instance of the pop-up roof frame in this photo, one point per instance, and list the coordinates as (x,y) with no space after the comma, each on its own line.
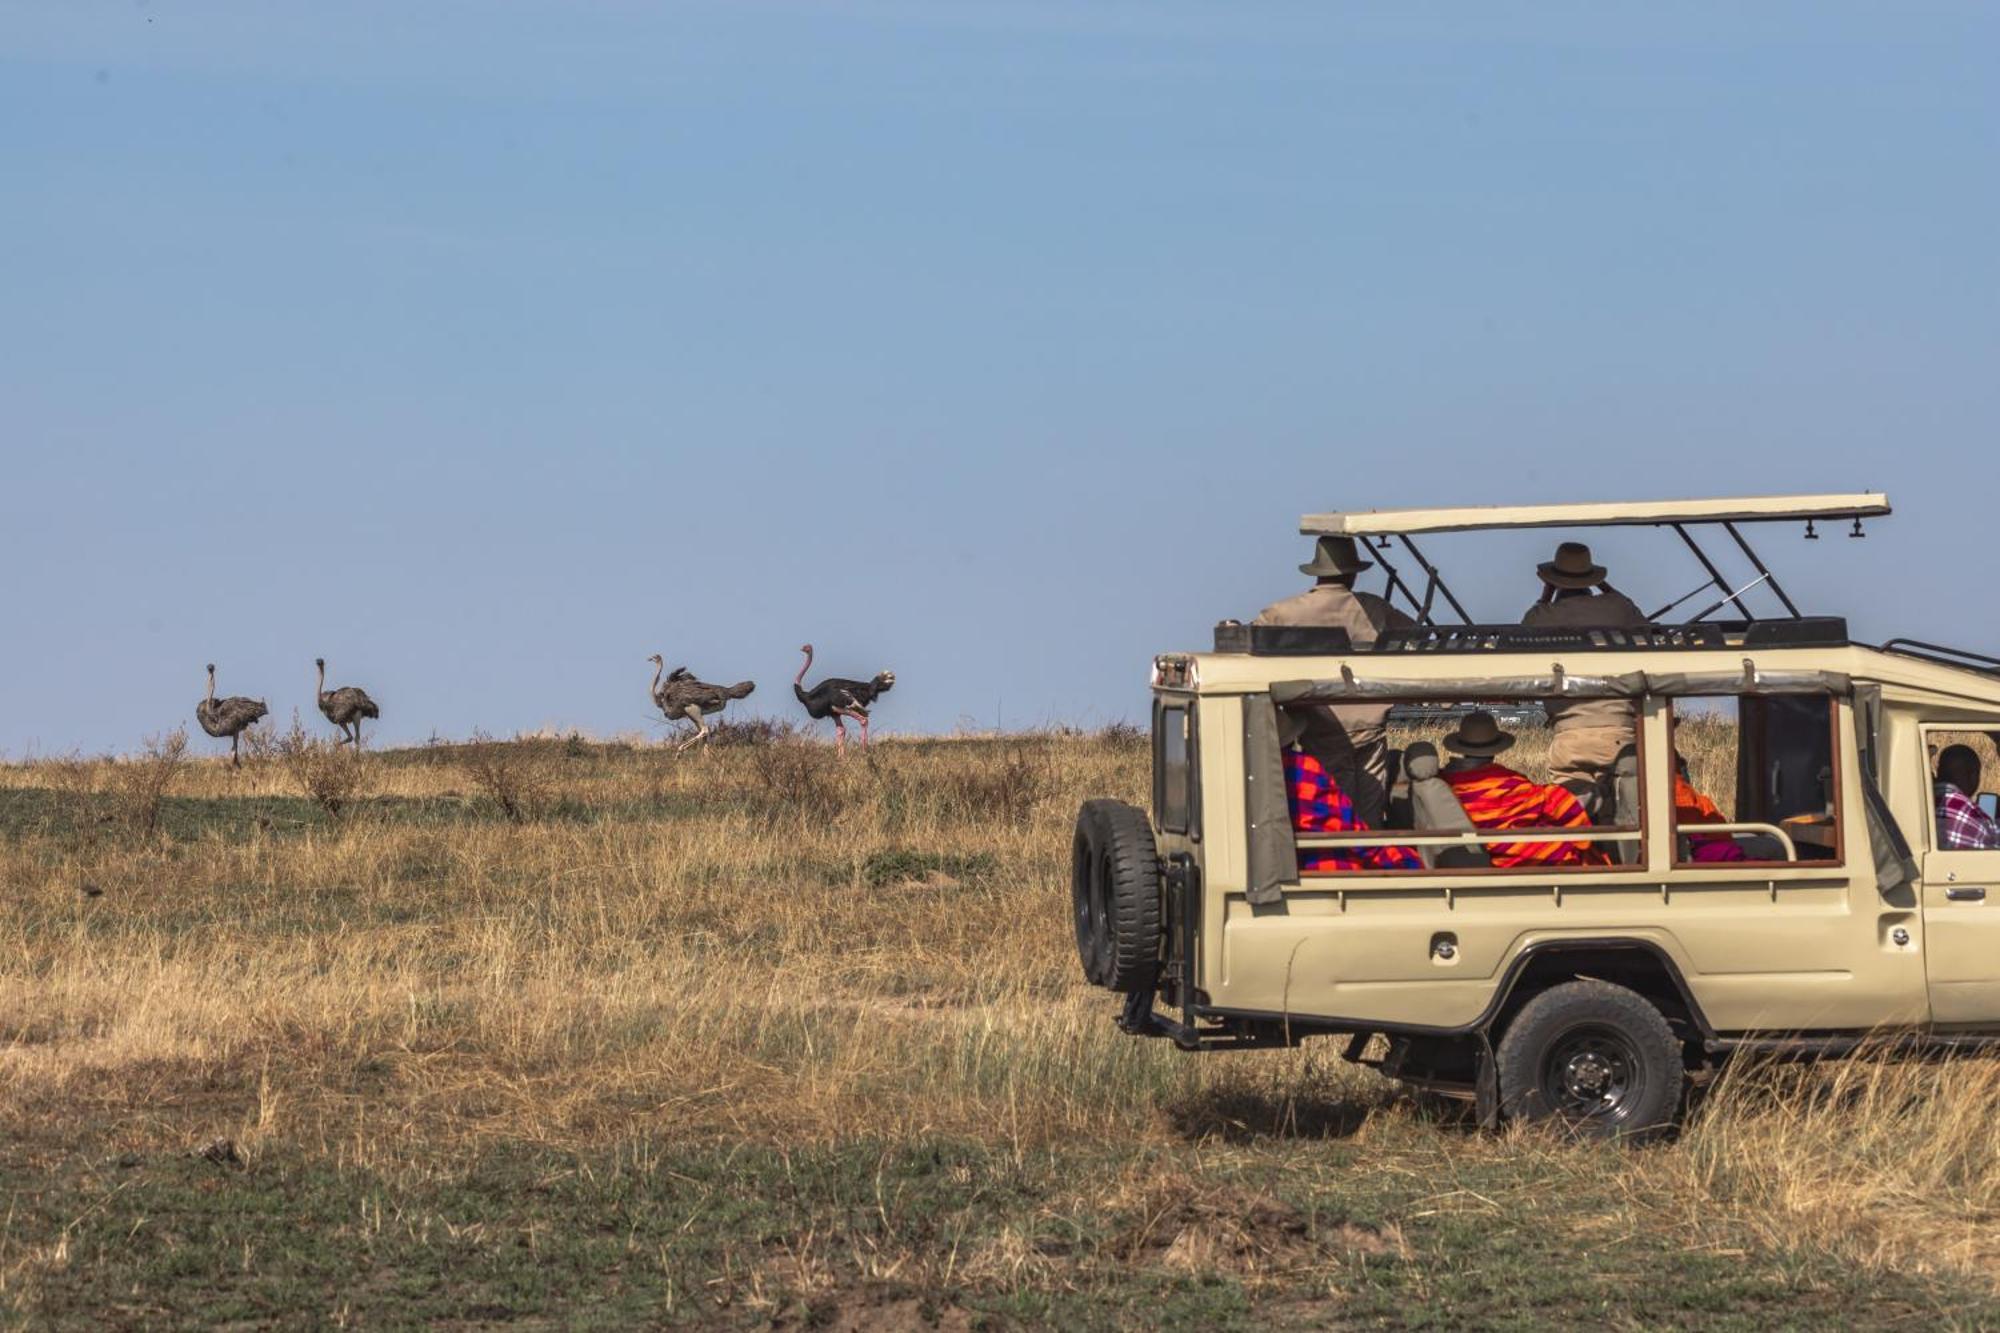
(1375,528)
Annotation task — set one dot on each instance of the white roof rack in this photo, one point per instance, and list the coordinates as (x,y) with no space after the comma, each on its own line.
(1477,518)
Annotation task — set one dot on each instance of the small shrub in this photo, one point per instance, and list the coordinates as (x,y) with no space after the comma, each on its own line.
(1123,734)
(1003,793)
(515,774)
(140,783)
(75,805)
(753,731)
(799,780)
(326,773)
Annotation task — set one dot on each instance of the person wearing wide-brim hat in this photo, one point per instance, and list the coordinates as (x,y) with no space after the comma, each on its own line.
(1479,736)
(1350,740)
(1589,733)
(1495,796)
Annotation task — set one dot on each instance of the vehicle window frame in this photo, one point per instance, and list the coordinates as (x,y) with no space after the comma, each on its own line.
(1635,833)
(1837,788)
(1190,827)
(1933,844)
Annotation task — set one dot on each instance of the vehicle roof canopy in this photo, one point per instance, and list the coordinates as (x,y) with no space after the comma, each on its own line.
(1478,518)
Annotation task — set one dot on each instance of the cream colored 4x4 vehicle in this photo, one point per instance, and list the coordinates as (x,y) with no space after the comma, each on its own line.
(1591,993)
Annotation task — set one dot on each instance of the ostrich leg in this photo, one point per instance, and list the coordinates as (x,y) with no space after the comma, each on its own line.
(693,714)
(839,734)
(235,750)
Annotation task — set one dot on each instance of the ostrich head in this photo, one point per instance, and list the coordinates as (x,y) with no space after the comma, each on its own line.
(320,662)
(657,660)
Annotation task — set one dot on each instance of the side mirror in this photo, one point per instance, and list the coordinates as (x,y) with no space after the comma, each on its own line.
(1990,803)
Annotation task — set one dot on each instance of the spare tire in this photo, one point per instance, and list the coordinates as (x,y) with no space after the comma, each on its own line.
(1115,892)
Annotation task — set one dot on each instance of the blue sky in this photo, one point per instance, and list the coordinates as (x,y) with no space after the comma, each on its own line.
(486,348)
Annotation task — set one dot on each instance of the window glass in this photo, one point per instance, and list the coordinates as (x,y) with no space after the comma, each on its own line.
(1770,763)
(1955,829)
(1173,769)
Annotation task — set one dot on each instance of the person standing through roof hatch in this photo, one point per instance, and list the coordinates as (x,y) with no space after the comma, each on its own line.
(1350,740)
(1589,733)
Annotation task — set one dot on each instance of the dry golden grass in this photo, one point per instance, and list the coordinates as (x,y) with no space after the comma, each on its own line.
(767,945)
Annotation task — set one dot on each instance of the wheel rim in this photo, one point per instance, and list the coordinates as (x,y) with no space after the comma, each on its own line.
(1593,1072)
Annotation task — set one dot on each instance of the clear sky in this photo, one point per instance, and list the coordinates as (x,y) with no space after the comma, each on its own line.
(486,347)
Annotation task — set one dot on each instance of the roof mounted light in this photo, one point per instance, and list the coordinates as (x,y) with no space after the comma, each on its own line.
(1175,671)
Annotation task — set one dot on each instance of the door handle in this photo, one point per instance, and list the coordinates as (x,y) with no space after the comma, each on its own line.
(1966,894)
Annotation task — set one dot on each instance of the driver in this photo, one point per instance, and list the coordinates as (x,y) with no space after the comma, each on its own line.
(1962,825)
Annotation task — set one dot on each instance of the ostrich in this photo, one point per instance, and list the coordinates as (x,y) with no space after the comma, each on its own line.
(840,699)
(344,707)
(228,717)
(681,696)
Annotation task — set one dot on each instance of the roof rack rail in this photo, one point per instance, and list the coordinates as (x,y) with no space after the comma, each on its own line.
(1962,658)
(1807,632)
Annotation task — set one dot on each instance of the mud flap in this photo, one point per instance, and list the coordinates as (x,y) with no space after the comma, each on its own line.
(1486,1085)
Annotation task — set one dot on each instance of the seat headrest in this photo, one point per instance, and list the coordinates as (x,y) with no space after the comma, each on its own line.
(1626,765)
(1420,761)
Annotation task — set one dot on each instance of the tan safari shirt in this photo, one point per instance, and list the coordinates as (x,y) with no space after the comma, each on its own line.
(1364,616)
(1600,610)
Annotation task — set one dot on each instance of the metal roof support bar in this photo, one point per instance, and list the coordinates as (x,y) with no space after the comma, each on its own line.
(1397,585)
(1722,584)
(1769,577)
(1437,582)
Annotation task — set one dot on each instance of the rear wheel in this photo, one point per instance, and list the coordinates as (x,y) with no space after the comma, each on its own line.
(1596,1057)
(1115,895)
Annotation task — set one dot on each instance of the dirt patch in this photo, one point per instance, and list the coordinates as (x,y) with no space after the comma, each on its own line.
(1246,1234)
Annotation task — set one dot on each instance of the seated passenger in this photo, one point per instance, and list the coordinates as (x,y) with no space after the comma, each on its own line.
(1319,807)
(1962,825)
(1496,797)
(1693,809)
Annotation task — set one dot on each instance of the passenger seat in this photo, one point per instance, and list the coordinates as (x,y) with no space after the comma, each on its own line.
(1435,809)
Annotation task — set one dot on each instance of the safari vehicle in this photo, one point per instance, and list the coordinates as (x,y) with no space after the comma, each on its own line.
(1591,994)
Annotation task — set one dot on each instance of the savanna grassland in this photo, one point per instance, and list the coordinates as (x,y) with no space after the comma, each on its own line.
(560,1032)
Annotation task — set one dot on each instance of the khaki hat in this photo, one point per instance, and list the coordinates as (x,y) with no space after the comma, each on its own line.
(1335,555)
(1572,568)
(1479,735)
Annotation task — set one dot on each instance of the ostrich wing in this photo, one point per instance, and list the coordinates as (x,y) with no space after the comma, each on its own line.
(348,703)
(226,717)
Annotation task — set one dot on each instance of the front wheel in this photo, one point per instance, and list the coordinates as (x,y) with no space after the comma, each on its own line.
(1596,1057)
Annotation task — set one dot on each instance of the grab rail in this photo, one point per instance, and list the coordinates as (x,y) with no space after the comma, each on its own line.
(1791,848)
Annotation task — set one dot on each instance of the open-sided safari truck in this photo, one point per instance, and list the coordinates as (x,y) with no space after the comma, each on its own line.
(1589,993)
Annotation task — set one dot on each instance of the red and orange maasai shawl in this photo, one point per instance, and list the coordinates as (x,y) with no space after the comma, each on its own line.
(1496,797)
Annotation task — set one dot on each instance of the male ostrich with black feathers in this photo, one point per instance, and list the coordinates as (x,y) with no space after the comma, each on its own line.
(228,717)
(682,697)
(344,707)
(840,699)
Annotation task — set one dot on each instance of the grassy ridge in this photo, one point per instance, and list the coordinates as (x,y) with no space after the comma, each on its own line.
(764,1037)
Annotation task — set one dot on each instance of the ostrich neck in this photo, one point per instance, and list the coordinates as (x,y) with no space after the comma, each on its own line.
(320,689)
(658,667)
(798,681)
(211,687)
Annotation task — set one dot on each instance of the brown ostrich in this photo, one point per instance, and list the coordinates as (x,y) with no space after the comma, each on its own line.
(682,697)
(344,707)
(228,717)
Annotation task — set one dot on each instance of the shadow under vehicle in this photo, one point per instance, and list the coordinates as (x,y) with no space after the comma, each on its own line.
(1590,994)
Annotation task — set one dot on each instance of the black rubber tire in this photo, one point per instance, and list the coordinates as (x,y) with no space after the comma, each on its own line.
(1595,1057)
(1115,896)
